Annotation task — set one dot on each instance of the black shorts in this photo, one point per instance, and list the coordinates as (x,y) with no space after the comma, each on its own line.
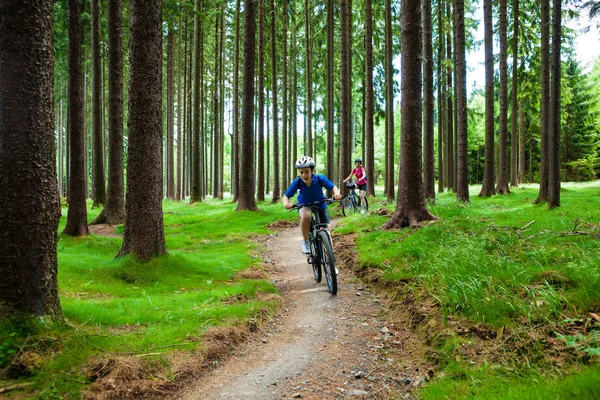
(362,187)
(323,215)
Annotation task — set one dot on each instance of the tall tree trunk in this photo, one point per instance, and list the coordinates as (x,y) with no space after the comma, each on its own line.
(246,196)
(428,151)
(222,103)
(410,204)
(450,110)
(180,107)
(284,96)
(442,119)
(170,112)
(99,191)
(554,125)
(308,73)
(502,184)
(330,96)
(77,216)
(260,190)
(144,235)
(276,176)
(235,177)
(369,107)
(462,169)
(114,209)
(389,104)
(521,141)
(345,162)
(489,185)
(514,148)
(294,94)
(216,142)
(30,205)
(545,109)
(196,151)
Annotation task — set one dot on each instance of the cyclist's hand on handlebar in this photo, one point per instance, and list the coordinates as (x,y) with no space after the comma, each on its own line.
(289,206)
(337,197)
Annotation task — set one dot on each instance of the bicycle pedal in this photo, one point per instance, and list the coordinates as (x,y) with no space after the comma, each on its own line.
(309,259)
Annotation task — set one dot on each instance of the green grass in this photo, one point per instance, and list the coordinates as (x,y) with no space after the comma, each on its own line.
(499,261)
(120,306)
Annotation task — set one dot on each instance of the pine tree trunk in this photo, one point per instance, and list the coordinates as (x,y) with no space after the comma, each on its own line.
(462,169)
(554,128)
(99,191)
(441,96)
(29,201)
(545,106)
(389,104)
(502,184)
(345,162)
(276,176)
(330,95)
(450,110)
(144,235)
(514,148)
(410,204)
(369,108)
(308,73)
(489,185)
(170,112)
(260,179)
(235,176)
(196,114)
(428,106)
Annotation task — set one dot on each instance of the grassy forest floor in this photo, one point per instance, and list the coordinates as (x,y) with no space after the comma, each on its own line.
(504,294)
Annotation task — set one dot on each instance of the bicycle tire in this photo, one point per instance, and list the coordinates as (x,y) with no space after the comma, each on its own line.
(347,206)
(316,261)
(328,262)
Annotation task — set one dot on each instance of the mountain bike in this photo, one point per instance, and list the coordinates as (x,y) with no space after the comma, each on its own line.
(352,202)
(321,248)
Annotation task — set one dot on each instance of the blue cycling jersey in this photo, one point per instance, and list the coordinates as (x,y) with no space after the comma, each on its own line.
(310,194)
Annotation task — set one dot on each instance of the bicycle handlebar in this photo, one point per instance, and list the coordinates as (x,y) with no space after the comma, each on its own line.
(328,200)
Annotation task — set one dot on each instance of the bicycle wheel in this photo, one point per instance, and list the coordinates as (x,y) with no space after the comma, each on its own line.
(328,261)
(316,261)
(347,206)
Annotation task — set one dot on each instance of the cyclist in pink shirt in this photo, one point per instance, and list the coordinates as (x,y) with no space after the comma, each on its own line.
(361,182)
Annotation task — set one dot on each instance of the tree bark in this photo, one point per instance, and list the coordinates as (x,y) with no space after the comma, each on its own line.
(554,128)
(197,130)
(247,184)
(489,185)
(502,184)
(77,216)
(389,104)
(170,112)
(545,109)
(29,200)
(308,72)
(330,94)
(369,108)
(235,177)
(462,171)
(428,156)
(514,147)
(276,173)
(442,119)
(345,162)
(98,186)
(144,235)
(410,204)
(260,190)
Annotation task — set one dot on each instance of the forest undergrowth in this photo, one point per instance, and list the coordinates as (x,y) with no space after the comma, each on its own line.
(504,294)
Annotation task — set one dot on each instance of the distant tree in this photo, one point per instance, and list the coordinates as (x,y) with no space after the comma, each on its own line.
(428,103)
(197,129)
(545,101)
(330,97)
(144,235)
(555,111)
(450,109)
(235,149)
(247,177)
(369,107)
(462,171)
(345,90)
(260,181)
(514,145)
(441,91)
(77,217)
(98,186)
(276,173)
(285,162)
(502,184)
(488,187)
(410,204)
(29,201)
(389,104)
(308,73)
(170,150)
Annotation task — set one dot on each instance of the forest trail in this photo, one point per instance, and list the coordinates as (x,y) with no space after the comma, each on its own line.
(318,346)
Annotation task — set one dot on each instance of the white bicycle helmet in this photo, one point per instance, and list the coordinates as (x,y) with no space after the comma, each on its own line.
(305,161)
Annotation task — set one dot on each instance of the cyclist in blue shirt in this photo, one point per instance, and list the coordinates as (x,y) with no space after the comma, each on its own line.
(309,187)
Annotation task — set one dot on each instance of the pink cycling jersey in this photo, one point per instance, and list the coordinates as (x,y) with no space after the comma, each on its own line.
(359,173)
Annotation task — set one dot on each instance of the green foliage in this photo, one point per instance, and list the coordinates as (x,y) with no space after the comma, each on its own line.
(126,307)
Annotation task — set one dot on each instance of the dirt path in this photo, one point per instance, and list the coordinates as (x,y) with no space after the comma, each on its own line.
(319,346)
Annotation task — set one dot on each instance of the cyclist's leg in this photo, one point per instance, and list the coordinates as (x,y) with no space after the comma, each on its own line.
(304,221)
(324,216)
(363,193)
